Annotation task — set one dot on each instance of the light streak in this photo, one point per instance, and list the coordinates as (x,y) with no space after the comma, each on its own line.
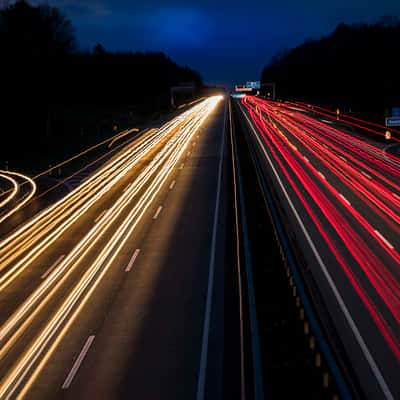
(36,236)
(366,174)
(13,192)
(121,135)
(134,201)
(25,200)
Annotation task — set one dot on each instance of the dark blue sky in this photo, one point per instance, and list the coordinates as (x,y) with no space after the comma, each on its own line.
(226,41)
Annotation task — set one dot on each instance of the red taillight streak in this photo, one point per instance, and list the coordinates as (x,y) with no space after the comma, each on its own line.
(334,115)
(351,147)
(344,172)
(378,318)
(356,161)
(355,214)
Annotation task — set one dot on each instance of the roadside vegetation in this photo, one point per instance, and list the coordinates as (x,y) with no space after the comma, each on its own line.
(355,68)
(57,99)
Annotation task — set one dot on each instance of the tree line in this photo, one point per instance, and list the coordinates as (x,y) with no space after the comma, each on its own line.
(355,67)
(49,87)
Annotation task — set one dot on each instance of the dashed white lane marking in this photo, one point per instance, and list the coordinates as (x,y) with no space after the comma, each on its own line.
(344,198)
(189,153)
(53,266)
(99,217)
(157,212)
(322,175)
(78,362)
(306,158)
(396,195)
(171,186)
(182,165)
(366,175)
(132,260)
(344,159)
(384,239)
(127,187)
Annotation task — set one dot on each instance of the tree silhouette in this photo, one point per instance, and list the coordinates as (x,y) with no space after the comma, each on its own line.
(50,89)
(41,31)
(356,67)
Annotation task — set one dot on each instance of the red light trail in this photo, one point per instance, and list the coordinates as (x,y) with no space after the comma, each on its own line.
(350,191)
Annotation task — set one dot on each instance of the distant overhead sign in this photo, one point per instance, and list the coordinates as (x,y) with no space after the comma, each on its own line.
(253,85)
(393,121)
(395,111)
(238,95)
(242,89)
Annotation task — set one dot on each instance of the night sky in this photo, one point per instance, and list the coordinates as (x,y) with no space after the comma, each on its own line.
(226,41)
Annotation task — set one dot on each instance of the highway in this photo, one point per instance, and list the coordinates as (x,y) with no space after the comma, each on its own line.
(339,198)
(113,290)
(138,281)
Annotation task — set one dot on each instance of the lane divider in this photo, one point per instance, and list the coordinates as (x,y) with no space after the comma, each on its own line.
(132,260)
(78,363)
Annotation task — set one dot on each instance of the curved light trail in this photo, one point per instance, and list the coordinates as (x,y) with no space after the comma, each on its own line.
(13,191)
(12,196)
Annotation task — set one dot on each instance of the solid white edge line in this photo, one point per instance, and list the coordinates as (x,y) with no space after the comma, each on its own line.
(384,239)
(207,314)
(157,212)
(132,260)
(78,363)
(171,186)
(53,266)
(367,354)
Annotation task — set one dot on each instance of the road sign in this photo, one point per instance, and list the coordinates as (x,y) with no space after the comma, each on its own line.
(393,121)
(242,89)
(238,95)
(253,85)
(395,111)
